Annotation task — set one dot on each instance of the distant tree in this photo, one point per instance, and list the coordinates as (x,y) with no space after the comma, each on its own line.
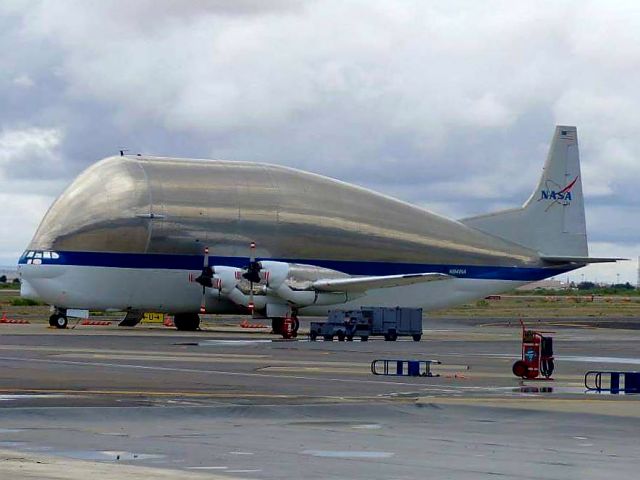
(3,279)
(586,286)
(16,281)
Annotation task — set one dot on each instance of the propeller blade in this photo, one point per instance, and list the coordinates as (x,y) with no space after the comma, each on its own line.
(205,279)
(206,257)
(203,308)
(252,270)
(252,252)
(251,304)
(252,266)
(206,276)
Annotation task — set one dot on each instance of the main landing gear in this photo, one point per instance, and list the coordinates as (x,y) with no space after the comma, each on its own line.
(187,322)
(59,319)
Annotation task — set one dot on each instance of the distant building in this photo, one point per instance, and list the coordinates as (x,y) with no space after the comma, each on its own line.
(549,284)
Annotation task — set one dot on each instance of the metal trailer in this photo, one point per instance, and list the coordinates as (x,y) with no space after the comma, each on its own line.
(394,322)
(388,322)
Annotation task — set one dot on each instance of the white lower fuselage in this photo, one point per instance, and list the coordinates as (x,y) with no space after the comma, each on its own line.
(167,290)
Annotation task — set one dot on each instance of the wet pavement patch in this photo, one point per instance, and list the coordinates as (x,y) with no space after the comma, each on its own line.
(347,454)
(589,359)
(8,398)
(223,343)
(107,455)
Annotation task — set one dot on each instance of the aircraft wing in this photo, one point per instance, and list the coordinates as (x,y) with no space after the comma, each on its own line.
(362,284)
(581,259)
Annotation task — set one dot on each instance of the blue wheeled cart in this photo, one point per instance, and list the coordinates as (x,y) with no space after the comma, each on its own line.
(405,368)
(612,382)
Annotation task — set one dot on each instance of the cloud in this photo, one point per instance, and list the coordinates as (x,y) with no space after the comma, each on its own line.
(30,153)
(24,81)
(449,105)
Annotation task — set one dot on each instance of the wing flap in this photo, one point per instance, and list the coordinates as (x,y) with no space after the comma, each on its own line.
(362,284)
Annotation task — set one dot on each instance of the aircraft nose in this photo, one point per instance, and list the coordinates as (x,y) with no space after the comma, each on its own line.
(27,290)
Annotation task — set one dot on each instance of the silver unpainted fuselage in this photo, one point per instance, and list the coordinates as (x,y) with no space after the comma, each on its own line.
(128,232)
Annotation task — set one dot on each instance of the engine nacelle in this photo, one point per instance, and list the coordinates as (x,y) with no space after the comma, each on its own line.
(274,273)
(305,298)
(225,279)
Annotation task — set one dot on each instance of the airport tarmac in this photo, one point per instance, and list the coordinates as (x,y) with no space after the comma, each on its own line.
(226,402)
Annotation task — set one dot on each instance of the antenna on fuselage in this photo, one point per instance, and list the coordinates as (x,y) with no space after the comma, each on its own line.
(123,151)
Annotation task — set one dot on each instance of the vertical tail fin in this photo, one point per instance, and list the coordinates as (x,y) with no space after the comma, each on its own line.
(552,220)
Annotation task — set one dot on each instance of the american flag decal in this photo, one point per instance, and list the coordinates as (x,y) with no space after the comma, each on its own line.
(568,134)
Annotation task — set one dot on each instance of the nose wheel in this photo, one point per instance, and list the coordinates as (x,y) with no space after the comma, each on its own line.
(59,321)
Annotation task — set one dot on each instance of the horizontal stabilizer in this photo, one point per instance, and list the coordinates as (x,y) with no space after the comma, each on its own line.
(581,259)
(362,284)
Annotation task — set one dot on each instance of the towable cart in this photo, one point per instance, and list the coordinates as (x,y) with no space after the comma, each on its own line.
(537,356)
(390,322)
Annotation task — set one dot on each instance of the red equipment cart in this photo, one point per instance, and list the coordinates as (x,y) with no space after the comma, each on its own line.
(537,356)
(287,328)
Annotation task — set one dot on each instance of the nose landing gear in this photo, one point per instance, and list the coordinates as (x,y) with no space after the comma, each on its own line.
(59,319)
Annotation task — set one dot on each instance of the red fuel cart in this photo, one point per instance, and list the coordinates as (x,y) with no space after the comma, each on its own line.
(537,356)
(287,328)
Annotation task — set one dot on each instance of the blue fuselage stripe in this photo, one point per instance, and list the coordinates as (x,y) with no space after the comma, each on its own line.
(194,262)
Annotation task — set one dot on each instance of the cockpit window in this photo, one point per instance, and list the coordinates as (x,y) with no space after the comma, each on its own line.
(33,255)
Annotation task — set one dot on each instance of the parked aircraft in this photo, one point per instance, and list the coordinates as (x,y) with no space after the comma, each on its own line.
(184,236)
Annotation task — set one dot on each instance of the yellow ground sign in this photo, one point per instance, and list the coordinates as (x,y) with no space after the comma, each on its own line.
(153,317)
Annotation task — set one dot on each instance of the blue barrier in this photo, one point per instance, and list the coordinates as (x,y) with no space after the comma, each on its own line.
(630,381)
(405,368)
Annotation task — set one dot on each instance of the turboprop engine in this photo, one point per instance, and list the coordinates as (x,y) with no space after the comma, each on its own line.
(270,285)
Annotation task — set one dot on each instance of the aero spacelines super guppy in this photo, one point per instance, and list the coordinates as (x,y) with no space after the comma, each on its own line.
(130,233)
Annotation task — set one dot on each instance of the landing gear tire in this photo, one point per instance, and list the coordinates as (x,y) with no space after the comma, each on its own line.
(58,321)
(341,336)
(296,325)
(277,325)
(520,369)
(187,322)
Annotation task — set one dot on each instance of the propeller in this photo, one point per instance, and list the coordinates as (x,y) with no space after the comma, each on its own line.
(252,274)
(205,278)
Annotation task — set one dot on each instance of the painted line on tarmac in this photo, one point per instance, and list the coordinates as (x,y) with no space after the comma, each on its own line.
(208,372)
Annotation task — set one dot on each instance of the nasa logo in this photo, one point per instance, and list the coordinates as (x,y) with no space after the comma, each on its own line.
(558,194)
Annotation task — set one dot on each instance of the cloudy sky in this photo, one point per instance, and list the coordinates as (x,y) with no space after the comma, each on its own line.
(449,105)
